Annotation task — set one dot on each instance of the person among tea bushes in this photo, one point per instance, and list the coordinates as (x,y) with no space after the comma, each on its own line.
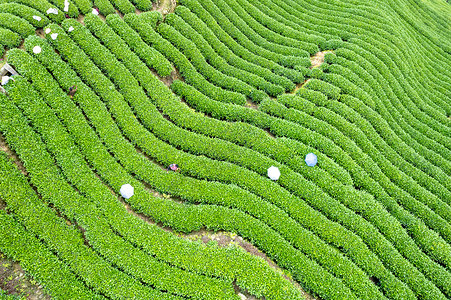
(72,91)
(173,167)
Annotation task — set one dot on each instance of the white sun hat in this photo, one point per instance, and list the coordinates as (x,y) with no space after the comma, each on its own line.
(36,49)
(127,191)
(273,173)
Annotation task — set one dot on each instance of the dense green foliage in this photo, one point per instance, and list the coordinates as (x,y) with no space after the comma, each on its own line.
(226,89)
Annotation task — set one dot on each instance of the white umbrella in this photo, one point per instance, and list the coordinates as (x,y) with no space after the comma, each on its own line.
(273,173)
(54,36)
(37,18)
(127,191)
(66,6)
(52,11)
(5,80)
(36,49)
(311,159)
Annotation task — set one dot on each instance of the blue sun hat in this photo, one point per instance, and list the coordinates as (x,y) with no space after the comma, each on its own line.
(311,159)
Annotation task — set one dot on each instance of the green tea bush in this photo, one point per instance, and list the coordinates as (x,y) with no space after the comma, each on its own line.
(25,12)
(16,24)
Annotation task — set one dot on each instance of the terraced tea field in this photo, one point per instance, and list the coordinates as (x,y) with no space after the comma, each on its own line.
(237,94)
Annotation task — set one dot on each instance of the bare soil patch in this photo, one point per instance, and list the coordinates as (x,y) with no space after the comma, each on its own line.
(226,239)
(318,59)
(166,6)
(3,60)
(300,86)
(15,281)
(168,80)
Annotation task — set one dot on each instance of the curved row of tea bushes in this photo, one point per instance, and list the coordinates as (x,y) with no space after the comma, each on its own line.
(72,12)
(208,194)
(362,68)
(420,182)
(282,13)
(439,206)
(260,35)
(308,42)
(16,24)
(21,245)
(242,39)
(84,6)
(240,50)
(183,65)
(375,25)
(435,126)
(434,178)
(196,40)
(340,80)
(25,12)
(47,60)
(64,240)
(440,156)
(143,5)
(377,36)
(248,273)
(210,42)
(419,162)
(388,225)
(73,158)
(95,25)
(104,7)
(325,209)
(41,6)
(152,57)
(178,216)
(433,243)
(122,254)
(9,39)
(214,74)
(123,6)
(334,117)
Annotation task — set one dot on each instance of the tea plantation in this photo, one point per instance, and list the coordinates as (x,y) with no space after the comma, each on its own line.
(100,96)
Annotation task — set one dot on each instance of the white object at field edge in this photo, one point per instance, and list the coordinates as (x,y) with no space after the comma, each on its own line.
(48,30)
(94,11)
(5,79)
(127,191)
(37,18)
(311,159)
(273,173)
(52,11)
(66,6)
(54,36)
(70,29)
(36,49)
